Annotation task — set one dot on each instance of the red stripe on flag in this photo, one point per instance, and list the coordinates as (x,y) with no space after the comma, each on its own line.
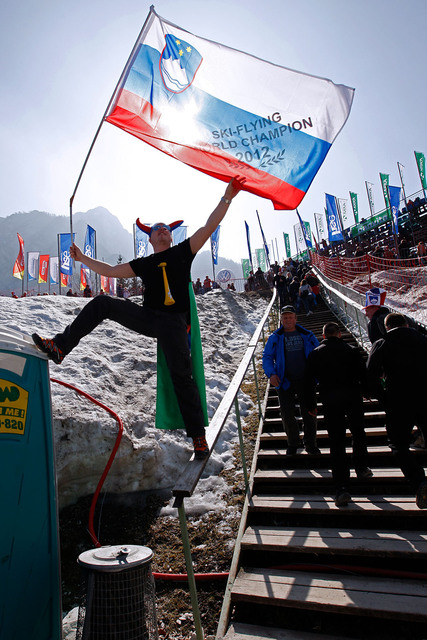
(133,116)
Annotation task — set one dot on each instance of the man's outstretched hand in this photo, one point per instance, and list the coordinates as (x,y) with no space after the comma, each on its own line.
(76,253)
(234,186)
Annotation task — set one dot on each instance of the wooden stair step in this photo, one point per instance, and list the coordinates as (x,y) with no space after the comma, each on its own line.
(321,433)
(333,541)
(374,450)
(375,505)
(360,595)
(242,631)
(305,475)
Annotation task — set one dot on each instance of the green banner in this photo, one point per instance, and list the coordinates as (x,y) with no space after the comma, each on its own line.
(287,245)
(246,267)
(421,163)
(354,204)
(260,258)
(384,177)
(371,223)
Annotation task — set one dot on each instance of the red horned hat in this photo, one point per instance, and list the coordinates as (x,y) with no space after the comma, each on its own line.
(147,229)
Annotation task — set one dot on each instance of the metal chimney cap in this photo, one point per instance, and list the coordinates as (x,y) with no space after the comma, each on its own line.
(115,558)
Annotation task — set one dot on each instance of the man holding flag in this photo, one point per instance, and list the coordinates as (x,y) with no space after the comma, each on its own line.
(164,314)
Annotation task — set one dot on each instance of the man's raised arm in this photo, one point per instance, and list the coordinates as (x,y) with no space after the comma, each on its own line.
(199,238)
(103,268)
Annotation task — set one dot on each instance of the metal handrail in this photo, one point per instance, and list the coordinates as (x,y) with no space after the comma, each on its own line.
(188,480)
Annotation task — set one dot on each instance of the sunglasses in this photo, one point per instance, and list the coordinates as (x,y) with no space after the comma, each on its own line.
(156,227)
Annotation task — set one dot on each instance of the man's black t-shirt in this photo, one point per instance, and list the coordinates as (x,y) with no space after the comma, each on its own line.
(177,267)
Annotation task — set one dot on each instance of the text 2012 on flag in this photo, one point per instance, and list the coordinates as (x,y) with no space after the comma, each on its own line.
(227,113)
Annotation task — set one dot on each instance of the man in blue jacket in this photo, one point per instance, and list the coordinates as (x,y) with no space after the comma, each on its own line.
(284,361)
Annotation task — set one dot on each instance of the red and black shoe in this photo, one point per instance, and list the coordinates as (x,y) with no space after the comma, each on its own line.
(201,449)
(49,347)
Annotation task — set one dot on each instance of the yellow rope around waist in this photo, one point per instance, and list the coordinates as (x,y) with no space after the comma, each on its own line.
(168,296)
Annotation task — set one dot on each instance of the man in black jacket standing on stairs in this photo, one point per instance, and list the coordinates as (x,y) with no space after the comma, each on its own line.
(396,369)
(340,371)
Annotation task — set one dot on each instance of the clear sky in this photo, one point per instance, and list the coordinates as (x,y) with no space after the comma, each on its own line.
(60,62)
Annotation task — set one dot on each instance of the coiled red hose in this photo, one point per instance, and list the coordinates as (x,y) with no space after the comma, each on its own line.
(110,459)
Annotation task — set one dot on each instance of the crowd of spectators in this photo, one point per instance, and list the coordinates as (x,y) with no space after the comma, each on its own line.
(297,366)
(294,281)
(382,242)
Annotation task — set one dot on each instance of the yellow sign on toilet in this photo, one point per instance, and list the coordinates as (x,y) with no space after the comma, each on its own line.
(13,408)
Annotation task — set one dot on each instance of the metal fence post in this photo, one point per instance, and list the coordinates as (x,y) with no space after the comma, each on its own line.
(241,442)
(369,271)
(190,571)
(257,387)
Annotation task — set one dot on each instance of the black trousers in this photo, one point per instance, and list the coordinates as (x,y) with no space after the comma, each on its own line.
(287,401)
(170,329)
(400,422)
(337,407)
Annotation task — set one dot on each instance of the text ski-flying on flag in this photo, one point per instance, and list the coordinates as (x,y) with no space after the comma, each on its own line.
(227,113)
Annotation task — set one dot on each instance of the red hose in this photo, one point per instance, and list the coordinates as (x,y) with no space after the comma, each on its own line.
(110,459)
(183,577)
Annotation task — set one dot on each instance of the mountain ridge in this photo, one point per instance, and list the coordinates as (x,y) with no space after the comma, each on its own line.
(39,230)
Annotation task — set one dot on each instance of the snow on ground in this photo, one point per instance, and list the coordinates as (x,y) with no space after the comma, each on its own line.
(118,368)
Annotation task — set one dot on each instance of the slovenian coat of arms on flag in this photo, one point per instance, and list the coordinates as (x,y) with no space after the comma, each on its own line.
(228,113)
(178,64)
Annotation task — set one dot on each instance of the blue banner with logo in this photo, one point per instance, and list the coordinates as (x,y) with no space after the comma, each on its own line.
(89,246)
(333,220)
(65,258)
(249,244)
(215,245)
(267,253)
(394,197)
(141,243)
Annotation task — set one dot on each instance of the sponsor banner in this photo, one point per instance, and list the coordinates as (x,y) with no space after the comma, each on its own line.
(355,206)
(65,258)
(43,268)
(19,266)
(421,164)
(287,244)
(394,196)
(33,265)
(215,245)
(246,267)
(334,224)
(260,258)
(54,270)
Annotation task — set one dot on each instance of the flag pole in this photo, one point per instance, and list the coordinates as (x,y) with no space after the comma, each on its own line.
(401,181)
(369,197)
(296,242)
(112,99)
(338,206)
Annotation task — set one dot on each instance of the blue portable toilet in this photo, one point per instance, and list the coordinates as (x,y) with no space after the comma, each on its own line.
(30,585)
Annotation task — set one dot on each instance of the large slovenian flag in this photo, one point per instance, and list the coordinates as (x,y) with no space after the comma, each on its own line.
(227,113)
